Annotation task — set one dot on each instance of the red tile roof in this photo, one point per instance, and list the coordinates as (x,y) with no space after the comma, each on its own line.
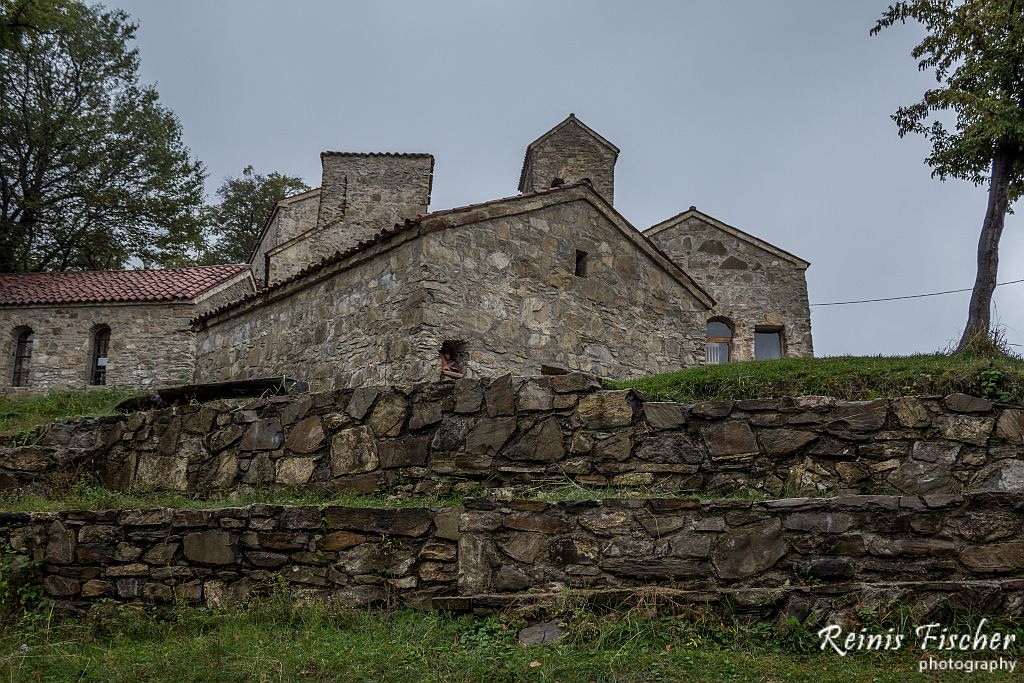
(171,284)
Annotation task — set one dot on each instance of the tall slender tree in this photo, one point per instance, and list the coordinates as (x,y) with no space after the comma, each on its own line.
(975,48)
(246,202)
(93,171)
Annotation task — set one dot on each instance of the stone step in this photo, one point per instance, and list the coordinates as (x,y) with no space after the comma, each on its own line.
(843,604)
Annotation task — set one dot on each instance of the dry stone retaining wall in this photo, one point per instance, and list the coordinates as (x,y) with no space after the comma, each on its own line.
(783,558)
(707,545)
(434,439)
(360,556)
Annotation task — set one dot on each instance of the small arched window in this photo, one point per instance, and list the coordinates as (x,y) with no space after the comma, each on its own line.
(22,357)
(100,348)
(718,344)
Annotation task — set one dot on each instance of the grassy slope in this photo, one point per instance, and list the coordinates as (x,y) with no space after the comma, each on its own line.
(19,412)
(999,378)
(284,640)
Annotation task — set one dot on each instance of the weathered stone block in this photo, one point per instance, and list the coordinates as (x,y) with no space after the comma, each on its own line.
(306,436)
(263,435)
(730,438)
(209,547)
(962,403)
(975,430)
(295,471)
(749,550)
(353,451)
(606,409)
(783,441)
(659,416)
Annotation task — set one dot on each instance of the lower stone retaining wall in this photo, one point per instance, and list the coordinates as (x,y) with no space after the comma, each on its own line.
(358,555)
(433,439)
(753,554)
(712,544)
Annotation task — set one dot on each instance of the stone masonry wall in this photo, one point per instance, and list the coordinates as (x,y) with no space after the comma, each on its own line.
(150,344)
(355,325)
(500,283)
(291,218)
(572,154)
(784,559)
(450,437)
(507,288)
(704,545)
(357,555)
(753,288)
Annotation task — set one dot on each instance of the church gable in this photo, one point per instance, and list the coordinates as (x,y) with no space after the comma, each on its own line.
(693,238)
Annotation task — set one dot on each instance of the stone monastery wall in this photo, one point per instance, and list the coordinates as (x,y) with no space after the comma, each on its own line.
(755,290)
(353,324)
(503,289)
(507,288)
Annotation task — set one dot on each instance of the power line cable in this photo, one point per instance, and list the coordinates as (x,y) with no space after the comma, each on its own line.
(910,296)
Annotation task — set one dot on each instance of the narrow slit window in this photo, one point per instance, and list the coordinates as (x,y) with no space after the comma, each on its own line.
(718,345)
(767,344)
(581,263)
(22,357)
(100,351)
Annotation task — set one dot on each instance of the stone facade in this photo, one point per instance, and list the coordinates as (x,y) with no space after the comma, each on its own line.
(445,437)
(498,280)
(757,287)
(292,217)
(570,152)
(151,344)
(361,193)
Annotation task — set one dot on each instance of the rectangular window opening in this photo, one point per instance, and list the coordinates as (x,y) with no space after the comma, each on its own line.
(767,344)
(581,263)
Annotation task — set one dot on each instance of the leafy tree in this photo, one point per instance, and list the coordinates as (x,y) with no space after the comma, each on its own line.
(246,202)
(976,50)
(93,171)
(18,17)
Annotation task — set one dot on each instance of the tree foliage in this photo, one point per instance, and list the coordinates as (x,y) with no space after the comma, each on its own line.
(245,205)
(93,171)
(19,17)
(975,48)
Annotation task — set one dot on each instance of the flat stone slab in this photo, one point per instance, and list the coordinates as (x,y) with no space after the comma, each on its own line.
(186,393)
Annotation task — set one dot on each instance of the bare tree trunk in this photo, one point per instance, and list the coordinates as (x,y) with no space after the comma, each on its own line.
(979,312)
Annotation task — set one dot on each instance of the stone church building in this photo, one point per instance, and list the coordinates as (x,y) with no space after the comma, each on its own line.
(358,282)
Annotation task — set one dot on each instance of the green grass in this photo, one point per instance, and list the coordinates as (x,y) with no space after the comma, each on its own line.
(997,377)
(282,639)
(21,412)
(88,497)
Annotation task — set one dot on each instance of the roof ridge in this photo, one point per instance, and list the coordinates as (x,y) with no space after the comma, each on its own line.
(421,155)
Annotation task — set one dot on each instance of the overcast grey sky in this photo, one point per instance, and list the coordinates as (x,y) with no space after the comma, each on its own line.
(770,116)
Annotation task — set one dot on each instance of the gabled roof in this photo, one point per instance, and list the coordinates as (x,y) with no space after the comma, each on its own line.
(692,212)
(569,120)
(270,219)
(96,286)
(473,213)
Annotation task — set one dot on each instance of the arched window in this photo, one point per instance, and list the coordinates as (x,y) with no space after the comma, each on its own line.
(100,347)
(22,357)
(718,345)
